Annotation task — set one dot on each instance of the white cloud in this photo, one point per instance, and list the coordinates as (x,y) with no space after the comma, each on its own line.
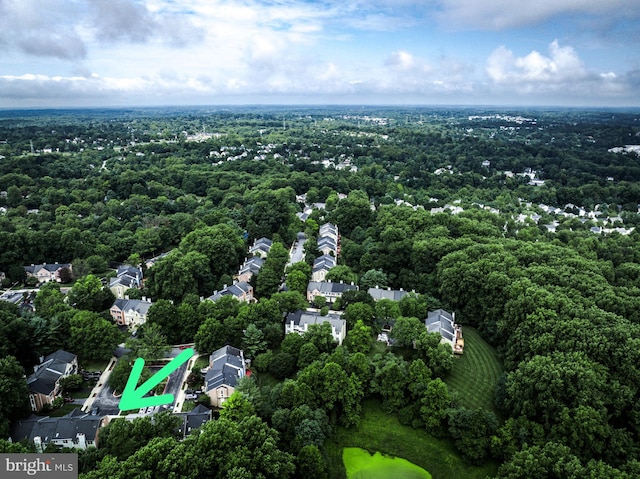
(561,65)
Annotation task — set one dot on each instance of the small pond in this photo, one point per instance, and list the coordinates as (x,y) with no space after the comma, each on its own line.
(362,465)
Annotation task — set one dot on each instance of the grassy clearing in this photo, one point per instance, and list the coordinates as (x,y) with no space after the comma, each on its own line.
(382,432)
(475,374)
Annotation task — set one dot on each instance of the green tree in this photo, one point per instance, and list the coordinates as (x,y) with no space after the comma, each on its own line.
(297,281)
(406,331)
(471,430)
(358,312)
(341,273)
(437,356)
(149,343)
(320,335)
(71,383)
(390,381)
(310,463)
(88,294)
(374,278)
(387,311)
(14,402)
(359,338)
(49,300)
(121,372)
(237,408)
(92,336)
(253,341)
(435,402)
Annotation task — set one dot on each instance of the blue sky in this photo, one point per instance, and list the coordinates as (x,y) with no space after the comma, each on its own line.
(180,52)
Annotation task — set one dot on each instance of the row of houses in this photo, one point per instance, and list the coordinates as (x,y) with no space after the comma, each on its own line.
(329,244)
(80,430)
(241,289)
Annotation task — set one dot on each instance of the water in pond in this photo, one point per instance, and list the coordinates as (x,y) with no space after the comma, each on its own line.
(362,465)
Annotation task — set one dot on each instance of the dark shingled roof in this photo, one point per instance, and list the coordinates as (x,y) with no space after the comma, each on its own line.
(226,366)
(52,368)
(49,428)
(331,287)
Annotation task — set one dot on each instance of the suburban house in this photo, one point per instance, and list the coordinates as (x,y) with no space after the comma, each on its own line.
(130,312)
(328,230)
(47,271)
(250,267)
(241,290)
(321,267)
(327,245)
(150,262)
(76,430)
(299,321)
(127,277)
(444,323)
(386,293)
(261,247)
(330,290)
(193,419)
(328,239)
(44,383)
(226,367)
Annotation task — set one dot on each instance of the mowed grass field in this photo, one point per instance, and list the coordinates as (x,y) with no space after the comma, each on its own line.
(475,373)
(382,432)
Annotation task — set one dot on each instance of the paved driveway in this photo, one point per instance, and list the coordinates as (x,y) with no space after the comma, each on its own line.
(297,250)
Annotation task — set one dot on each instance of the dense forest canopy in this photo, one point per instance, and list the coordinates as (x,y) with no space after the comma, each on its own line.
(524,222)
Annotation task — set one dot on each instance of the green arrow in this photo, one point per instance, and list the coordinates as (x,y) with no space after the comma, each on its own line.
(132,397)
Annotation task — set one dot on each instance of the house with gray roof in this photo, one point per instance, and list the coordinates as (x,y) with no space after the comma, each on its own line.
(130,312)
(44,383)
(261,247)
(77,430)
(241,290)
(226,367)
(250,267)
(46,272)
(299,322)
(386,293)
(443,323)
(127,277)
(192,420)
(330,290)
(321,267)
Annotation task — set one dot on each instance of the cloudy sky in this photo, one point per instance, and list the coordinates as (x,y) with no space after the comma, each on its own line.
(180,52)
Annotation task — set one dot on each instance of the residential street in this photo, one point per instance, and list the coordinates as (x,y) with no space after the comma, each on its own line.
(296,254)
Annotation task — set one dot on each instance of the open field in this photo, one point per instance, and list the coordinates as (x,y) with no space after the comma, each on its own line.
(382,432)
(475,373)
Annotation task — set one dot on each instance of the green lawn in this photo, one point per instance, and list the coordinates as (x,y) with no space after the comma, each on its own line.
(65,409)
(382,432)
(201,363)
(93,365)
(475,373)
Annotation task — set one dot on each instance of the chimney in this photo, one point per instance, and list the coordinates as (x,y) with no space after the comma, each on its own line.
(341,282)
(38,443)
